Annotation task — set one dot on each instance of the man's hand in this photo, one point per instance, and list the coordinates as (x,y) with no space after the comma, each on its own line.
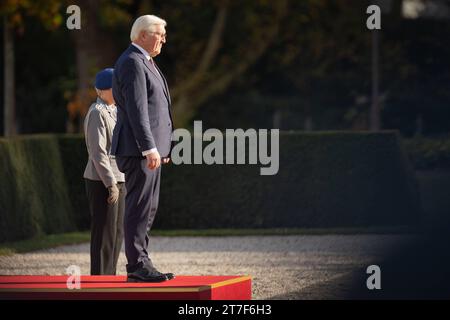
(153,160)
(113,194)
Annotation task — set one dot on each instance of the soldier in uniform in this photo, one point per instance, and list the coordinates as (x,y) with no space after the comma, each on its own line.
(104,182)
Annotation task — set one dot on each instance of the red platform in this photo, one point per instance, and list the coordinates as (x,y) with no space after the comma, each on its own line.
(116,287)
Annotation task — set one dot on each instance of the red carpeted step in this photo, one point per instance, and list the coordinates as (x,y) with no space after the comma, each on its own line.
(116,287)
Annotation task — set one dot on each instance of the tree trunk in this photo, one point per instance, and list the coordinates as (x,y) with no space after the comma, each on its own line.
(277,119)
(94,51)
(419,125)
(375,122)
(206,80)
(9,116)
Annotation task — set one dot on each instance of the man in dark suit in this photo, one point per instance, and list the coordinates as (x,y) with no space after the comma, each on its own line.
(142,139)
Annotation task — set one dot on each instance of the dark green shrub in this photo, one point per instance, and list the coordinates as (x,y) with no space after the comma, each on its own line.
(74,158)
(329,179)
(34,197)
(326,179)
(429,153)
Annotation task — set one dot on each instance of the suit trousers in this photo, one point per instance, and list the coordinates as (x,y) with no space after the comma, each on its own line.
(106,227)
(141,204)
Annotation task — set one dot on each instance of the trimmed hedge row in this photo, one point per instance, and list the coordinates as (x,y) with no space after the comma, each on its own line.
(33,196)
(330,179)
(74,158)
(326,179)
(429,153)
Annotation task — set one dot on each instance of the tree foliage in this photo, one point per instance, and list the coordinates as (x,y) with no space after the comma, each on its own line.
(312,55)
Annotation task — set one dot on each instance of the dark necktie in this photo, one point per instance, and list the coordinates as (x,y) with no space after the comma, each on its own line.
(154,67)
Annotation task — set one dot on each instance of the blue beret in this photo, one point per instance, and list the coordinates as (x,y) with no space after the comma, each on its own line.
(103,79)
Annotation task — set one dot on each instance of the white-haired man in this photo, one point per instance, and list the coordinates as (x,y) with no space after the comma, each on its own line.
(142,139)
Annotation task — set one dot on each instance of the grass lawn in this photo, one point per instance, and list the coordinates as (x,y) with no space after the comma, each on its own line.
(55,240)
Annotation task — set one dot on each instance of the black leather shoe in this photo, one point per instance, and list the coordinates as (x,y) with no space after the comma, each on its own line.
(149,266)
(145,275)
(169,276)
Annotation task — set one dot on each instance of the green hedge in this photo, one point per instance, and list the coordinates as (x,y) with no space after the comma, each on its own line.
(74,158)
(33,196)
(326,179)
(429,153)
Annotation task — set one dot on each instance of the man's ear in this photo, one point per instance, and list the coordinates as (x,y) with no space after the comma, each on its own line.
(142,35)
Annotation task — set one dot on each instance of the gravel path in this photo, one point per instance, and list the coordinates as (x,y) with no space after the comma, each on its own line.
(282,267)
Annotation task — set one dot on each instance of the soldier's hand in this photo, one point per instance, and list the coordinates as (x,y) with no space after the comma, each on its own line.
(113,194)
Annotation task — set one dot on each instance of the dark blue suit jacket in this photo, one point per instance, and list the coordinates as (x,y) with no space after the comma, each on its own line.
(144,120)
